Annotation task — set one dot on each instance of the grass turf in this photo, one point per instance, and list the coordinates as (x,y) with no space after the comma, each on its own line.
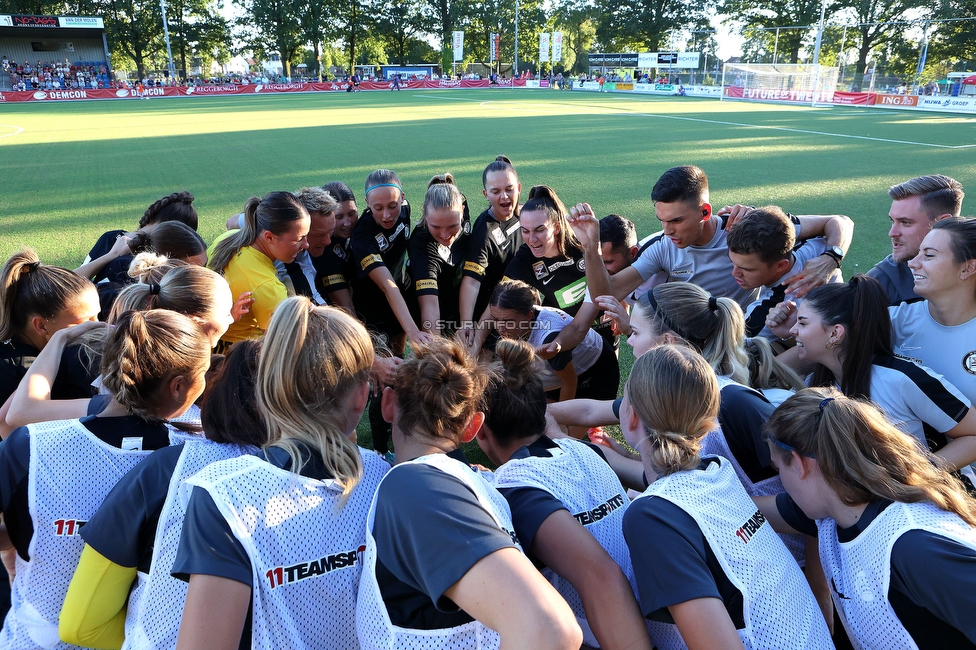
(72,170)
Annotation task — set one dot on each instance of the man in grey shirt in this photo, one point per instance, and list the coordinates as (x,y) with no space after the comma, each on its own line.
(916,205)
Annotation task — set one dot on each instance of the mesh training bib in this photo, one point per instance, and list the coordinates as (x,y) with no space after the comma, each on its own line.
(306,553)
(859,571)
(156,603)
(779,609)
(589,489)
(375,629)
(71,473)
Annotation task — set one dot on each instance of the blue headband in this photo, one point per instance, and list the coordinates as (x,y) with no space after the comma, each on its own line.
(786,447)
(373,187)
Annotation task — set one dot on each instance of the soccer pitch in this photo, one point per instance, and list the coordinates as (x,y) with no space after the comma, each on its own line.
(72,170)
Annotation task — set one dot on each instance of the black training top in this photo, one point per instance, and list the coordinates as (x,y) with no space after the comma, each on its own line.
(491,247)
(561,280)
(435,269)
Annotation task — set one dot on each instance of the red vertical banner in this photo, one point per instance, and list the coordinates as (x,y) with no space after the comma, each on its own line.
(496,46)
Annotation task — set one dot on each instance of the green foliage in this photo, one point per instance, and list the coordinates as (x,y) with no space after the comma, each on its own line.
(271,27)
(643,25)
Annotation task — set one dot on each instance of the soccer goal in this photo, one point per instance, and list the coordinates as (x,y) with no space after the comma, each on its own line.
(798,83)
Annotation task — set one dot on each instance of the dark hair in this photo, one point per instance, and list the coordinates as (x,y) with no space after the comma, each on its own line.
(962,237)
(174,239)
(861,306)
(516,296)
(687,184)
(228,412)
(275,213)
(938,194)
(29,288)
(339,191)
(515,399)
(767,232)
(618,232)
(499,164)
(178,206)
(544,198)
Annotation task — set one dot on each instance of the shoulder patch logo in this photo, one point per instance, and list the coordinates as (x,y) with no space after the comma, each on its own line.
(540,269)
(969,362)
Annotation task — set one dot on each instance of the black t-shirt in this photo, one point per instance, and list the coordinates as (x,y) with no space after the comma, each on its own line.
(15,465)
(336,266)
(673,562)
(118,269)
(491,247)
(430,530)
(561,280)
(76,372)
(16,358)
(933,578)
(742,413)
(373,247)
(436,269)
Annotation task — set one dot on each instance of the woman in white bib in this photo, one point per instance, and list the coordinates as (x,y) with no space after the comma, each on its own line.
(54,475)
(283,533)
(700,549)
(896,532)
(443,568)
(567,504)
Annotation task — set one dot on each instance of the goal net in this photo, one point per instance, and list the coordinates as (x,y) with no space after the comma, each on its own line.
(799,83)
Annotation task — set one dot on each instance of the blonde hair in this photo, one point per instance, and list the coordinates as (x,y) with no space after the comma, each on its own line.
(151,267)
(311,361)
(144,351)
(443,194)
(861,455)
(765,370)
(438,390)
(675,395)
(188,289)
(714,326)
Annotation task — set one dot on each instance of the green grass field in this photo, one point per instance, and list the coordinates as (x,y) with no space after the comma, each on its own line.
(72,170)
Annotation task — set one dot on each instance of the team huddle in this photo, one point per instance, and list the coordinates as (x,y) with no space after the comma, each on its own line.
(180,465)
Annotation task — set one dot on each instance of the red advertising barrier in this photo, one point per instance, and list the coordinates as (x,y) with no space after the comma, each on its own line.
(779,95)
(246,89)
(860,99)
(896,100)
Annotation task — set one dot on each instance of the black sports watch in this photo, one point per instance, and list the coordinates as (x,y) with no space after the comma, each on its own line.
(835,252)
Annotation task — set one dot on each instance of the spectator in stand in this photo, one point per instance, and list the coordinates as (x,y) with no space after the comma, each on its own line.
(916,205)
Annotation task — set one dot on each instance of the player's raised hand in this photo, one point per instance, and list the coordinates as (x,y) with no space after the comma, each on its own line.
(732,213)
(585,224)
(815,272)
(781,318)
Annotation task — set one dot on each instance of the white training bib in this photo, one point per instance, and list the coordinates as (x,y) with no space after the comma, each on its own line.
(584,482)
(779,610)
(306,553)
(859,571)
(71,473)
(156,602)
(376,631)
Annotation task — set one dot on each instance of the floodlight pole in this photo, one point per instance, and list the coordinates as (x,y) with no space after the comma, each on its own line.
(169,50)
(515,65)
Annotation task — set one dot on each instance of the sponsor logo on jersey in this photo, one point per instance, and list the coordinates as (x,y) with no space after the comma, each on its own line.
(369,260)
(498,236)
(401,228)
(588,517)
(905,357)
(466,227)
(581,265)
(286,575)
(340,252)
(560,264)
(383,242)
(540,270)
(474,268)
(68,527)
(681,272)
(748,529)
(572,294)
(426,284)
(969,362)
(334,279)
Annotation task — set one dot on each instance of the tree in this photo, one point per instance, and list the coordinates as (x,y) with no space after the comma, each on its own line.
(401,24)
(196,29)
(33,7)
(954,41)
(272,26)
(797,16)
(135,28)
(876,23)
(643,24)
(578,21)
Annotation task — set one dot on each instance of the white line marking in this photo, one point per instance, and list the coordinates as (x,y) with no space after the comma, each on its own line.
(806,131)
(11,126)
(459,99)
